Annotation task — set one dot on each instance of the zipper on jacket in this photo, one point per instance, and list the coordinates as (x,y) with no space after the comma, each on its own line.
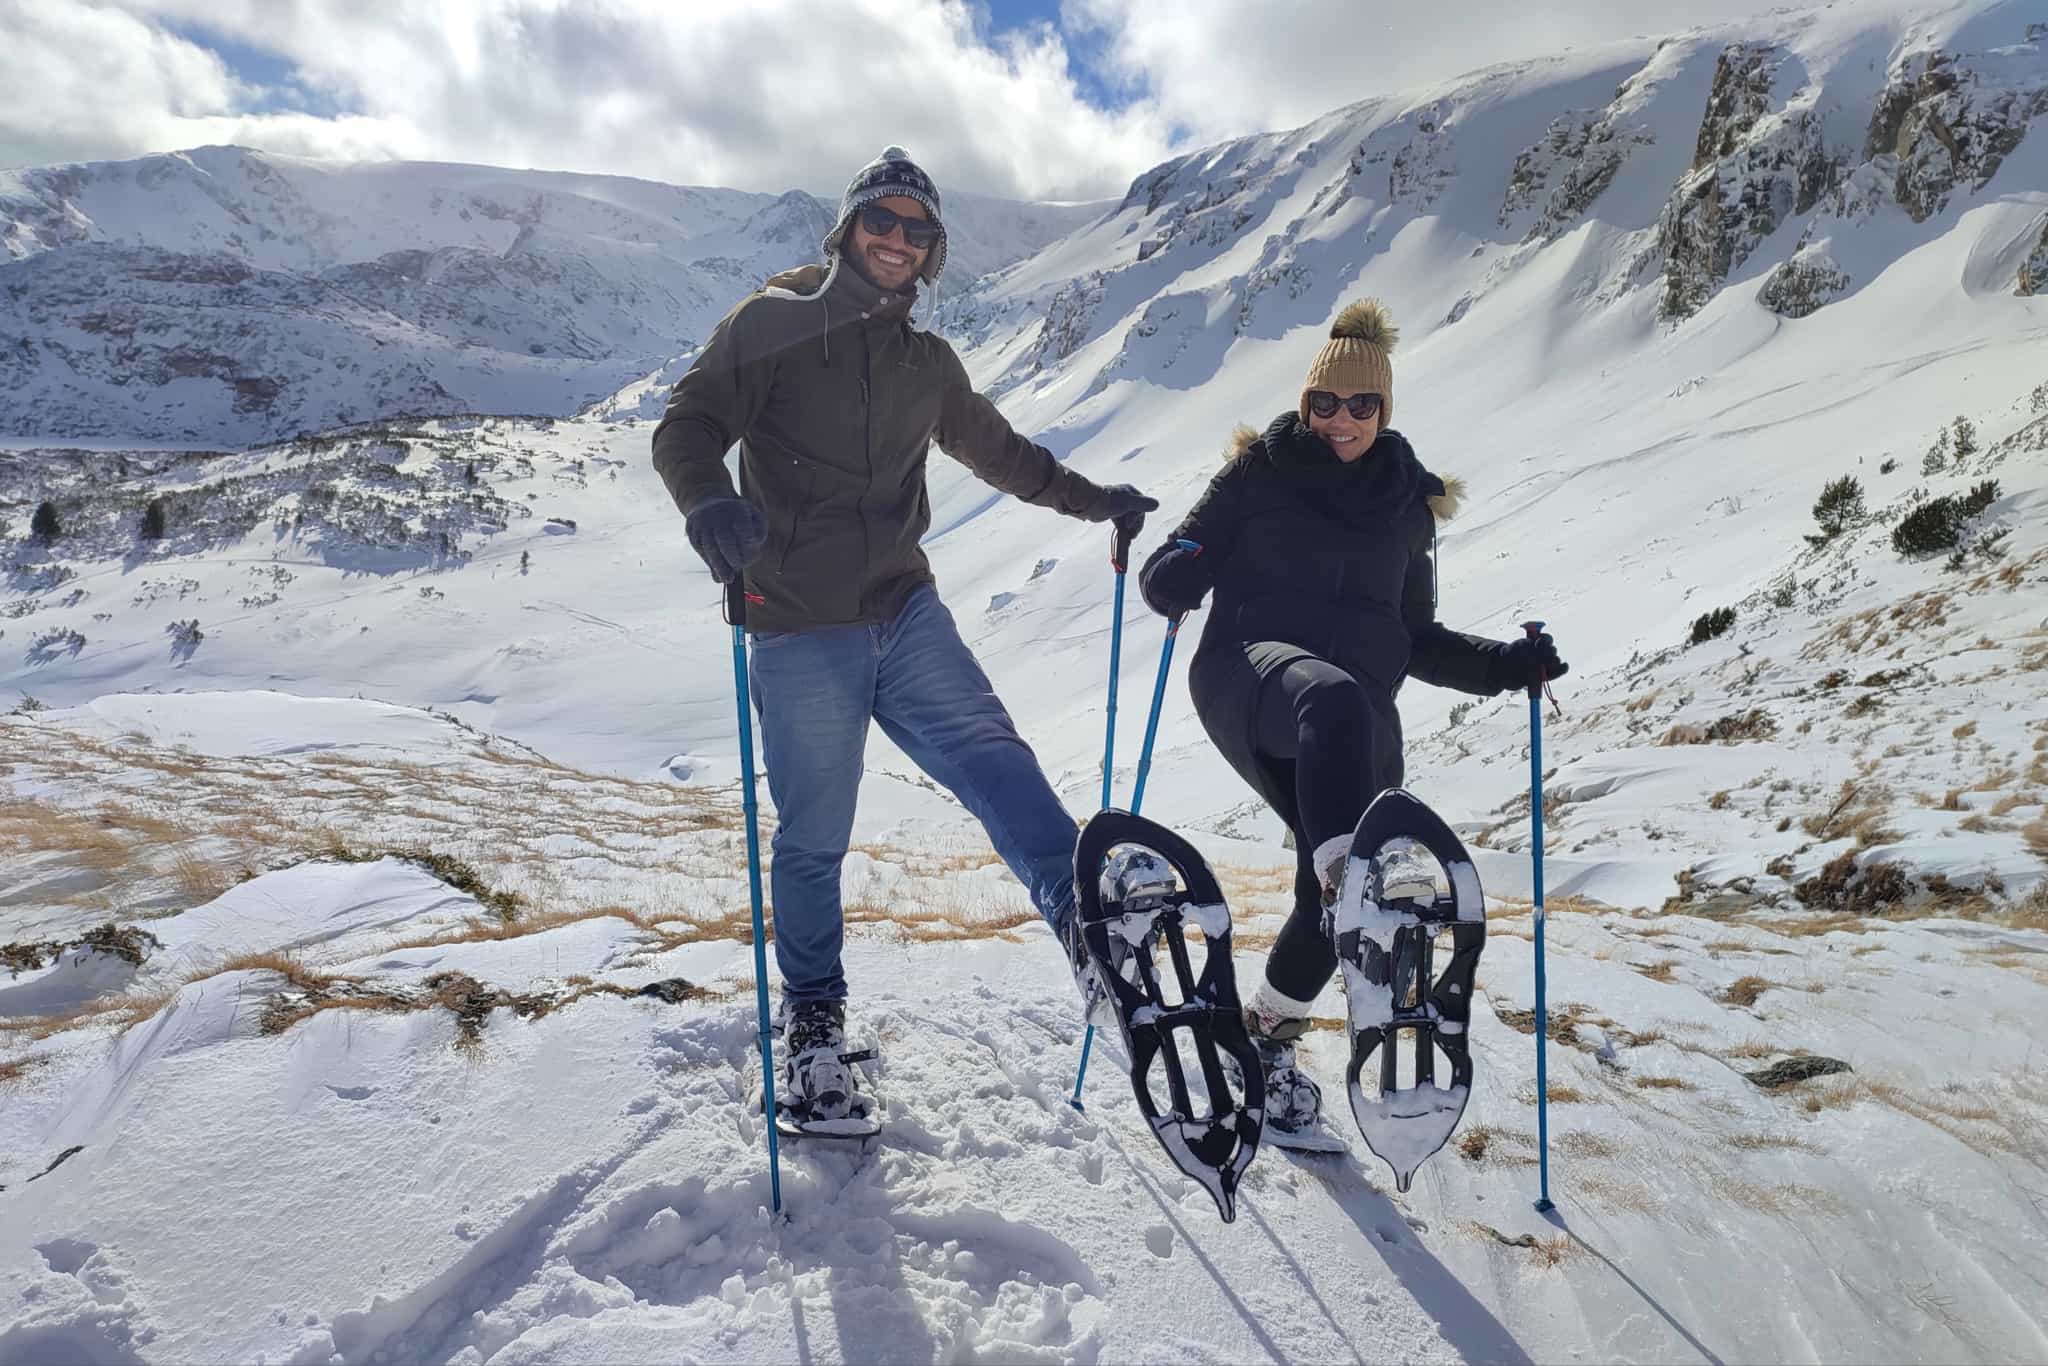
(867,416)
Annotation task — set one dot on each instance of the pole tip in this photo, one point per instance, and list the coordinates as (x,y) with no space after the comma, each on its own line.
(1544,1206)
(1079,1108)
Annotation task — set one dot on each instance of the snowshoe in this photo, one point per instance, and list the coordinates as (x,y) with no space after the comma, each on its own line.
(1140,888)
(820,1094)
(1392,907)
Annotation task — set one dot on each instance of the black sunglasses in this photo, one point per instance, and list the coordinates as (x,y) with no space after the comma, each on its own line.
(1323,403)
(917,233)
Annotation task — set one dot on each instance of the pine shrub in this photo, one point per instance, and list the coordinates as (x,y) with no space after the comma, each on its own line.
(1839,506)
(1711,624)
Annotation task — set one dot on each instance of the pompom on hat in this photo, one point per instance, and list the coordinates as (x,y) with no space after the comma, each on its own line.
(1358,357)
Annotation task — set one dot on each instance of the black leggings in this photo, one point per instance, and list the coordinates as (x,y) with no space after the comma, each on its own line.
(1333,744)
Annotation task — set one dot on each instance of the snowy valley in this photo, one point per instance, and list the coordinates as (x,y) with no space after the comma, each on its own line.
(377,979)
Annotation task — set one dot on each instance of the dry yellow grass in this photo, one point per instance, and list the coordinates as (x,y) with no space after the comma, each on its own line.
(1581,1144)
(1659,971)
(1858,808)
(14,1069)
(160,830)
(1785,1201)
(2001,776)
(46,828)
(1965,730)
(1665,1084)
(2035,833)
(2013,801)
(199,880)
(1812,924)
(481,931)
(292,969)
(1772,1142)
(1745,990)
(1490,1143)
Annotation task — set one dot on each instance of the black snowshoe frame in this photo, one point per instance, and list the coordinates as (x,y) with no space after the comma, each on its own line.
(1216,1145)
(1395,986)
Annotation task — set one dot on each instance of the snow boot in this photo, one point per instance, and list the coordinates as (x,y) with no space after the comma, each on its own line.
(1294,1103)
(815,1083)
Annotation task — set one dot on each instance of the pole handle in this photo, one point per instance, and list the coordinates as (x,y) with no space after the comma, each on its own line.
(1533,629)
(736,603)
(1120,545)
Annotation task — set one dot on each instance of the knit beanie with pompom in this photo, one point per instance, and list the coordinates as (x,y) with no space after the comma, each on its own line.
(1358,357)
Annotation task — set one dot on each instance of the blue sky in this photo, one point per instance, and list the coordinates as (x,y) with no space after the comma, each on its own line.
(275,75)
(1084,49)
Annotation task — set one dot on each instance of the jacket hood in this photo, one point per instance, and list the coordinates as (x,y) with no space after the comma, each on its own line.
(1446,494)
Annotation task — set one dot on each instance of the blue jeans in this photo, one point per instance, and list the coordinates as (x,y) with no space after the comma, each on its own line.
(815,692)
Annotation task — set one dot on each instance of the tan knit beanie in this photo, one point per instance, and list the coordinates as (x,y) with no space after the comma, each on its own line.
(1357,358)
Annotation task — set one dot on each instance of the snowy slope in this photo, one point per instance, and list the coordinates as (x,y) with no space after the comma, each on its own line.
(415,1133)
(1821,832)
(223,296)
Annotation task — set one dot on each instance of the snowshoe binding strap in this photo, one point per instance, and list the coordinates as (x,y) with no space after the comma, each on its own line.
(1388,954)
(1211,1133)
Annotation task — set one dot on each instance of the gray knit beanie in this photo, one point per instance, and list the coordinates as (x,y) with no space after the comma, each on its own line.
(890,174)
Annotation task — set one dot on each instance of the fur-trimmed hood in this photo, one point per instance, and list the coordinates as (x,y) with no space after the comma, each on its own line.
(1446,498)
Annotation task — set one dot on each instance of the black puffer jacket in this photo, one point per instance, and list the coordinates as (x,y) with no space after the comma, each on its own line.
(1335,559)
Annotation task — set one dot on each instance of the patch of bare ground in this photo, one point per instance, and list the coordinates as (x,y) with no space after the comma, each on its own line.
(470,1002)
(14,1069)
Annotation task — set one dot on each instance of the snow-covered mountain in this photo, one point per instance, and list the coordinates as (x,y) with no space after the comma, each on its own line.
(224,297)
(1789,167)
(1658,300)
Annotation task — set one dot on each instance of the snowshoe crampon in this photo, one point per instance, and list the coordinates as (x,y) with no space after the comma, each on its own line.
(1140,888)
(1410,899)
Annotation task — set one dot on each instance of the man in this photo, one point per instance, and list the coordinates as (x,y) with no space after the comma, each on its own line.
(834,399)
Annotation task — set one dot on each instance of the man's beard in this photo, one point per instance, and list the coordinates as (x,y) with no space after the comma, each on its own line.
(857,258)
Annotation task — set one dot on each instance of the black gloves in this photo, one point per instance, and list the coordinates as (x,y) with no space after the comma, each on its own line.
(728,533)
(1517,663)
(1174,580)
(1124,505)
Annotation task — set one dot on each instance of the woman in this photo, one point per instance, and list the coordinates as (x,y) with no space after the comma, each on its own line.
(1316,538)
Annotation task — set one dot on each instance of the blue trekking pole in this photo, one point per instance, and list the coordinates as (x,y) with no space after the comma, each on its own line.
(1138,796)
(1152,722)
(1543,1204)
(736,614)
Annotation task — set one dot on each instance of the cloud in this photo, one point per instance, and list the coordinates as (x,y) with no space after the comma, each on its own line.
(763,95)
(1222,68)
(767,95)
